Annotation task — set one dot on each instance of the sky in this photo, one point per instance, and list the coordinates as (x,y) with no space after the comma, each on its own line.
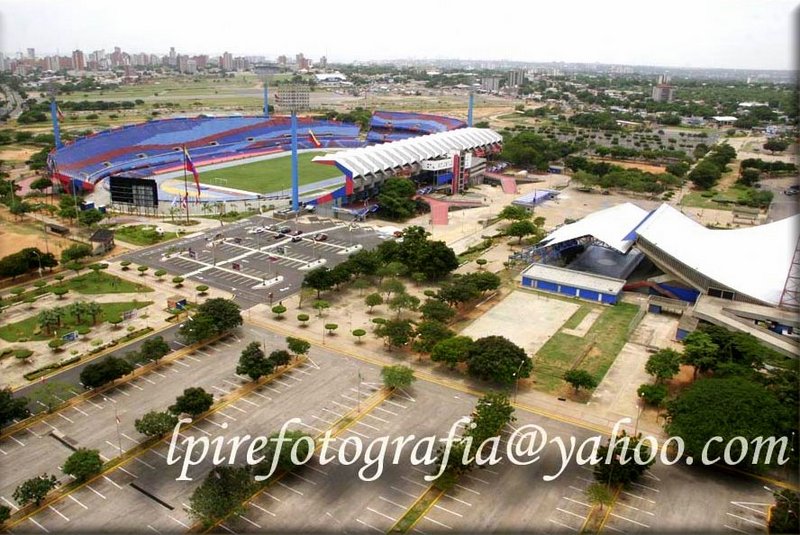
(751,34)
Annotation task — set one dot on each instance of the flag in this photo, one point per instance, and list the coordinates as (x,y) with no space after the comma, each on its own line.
(175,201)
(59,114)
(189,166)
(185,202)
(314,139)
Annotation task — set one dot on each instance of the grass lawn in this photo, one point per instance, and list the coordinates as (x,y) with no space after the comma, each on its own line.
(724,200)
(29,328)
(142,235)
(599,347)
(102,283)
(272,175)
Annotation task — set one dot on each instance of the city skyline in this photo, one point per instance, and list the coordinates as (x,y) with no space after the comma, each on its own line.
(744,34)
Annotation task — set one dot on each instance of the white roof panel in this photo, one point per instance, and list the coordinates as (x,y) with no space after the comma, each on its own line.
(365,160)
(611,226)
(754,261)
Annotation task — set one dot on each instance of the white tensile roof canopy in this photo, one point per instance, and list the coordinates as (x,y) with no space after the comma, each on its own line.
(376,158)
(753,261)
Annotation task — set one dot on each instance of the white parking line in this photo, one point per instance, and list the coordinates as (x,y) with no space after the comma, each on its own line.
(458,500)
(637,497)
(301,478)
(377,418)
(11,505)
(148,381)
(12,437)
(193,358)
(759,524)
(248,521)
(417,483)
(150,466)
(390,402)
(262,396)
(179,522)
(581,503)
(93,490)
(151,528)
(384,410)
(134,385)
(381,514)
(556,522)
(235,385)
(181,363)
(80,411)
(570,513)
(220,389)
(445,526)
(122,392)
(234,407)
(74,499)
(59,513)
(634,508)
(645,487)
(367,425)
(736,529)
(262,509)
(468,490)
(111,481)
(62,416)
(287,487)
(130,474)
(369,525)
(226,415)
(40,526)
(615,515)
(249,402)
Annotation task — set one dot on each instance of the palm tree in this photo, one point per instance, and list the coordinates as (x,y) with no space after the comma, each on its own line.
(94,310)
(47,319)
(78,310)
(599,494)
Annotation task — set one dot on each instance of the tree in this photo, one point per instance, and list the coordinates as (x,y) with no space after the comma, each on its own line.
(41,184)
(513,212)
(201,289)
(663,365)
(223,490)
(492,413)
(298,346)
(521,229)
(125,264)
(397,376)
(705,174)
(194,401)
(320,305)
(330,327)
(302,318)
(749,176)
(49,320)
(90,217)
(12,408)
(396,333)
(225,312)
(358,333)
(5,514)
(83,464)
(159,274)
(498,359)
(436,310)
(154,348)
(481,262)
(403,301)
(361,284)
(279,311)
(142,270)
(177,281)
(280,357)
(700,351)
(75,266)
(319,279)
(34,490)
(599,494)
(785,514)
(611,471)
(285,461)
(451,351)
(429,333)
(253,362)
(392,286)
(395,198)
(373,300)
(93,309)
(776,145)
(109,369)
(155,423)
(580,379)
(727,408)
(654,395)
(75,252)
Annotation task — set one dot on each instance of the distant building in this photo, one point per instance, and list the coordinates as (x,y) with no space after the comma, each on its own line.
(282,60)
(226,61)
(31,54)
(173,57)
(78,60)
(323,62)
(663,91)
(516,78)
(490,84)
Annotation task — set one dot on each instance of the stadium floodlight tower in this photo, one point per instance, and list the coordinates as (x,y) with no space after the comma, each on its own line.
(293,98)
(52,92)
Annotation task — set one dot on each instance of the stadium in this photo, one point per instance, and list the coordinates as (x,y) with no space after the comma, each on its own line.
(744,279)
(436,151)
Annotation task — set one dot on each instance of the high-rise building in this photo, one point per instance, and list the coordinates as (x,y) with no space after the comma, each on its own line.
(323,62)
(201,62)
(663,91)
(173,57)
(282,61)
(31,54)
(78,60)
(183,63)
(490,83)
(3,62)
(226,61)
(191,66)
(301,62)
(516,78)
(116,57)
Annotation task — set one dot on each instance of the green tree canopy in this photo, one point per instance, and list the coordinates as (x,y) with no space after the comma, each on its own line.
(155,423)
(11,408)
(496,358)
(664,364)
(451,351)
(83,464)
(34,490)
(253,362)
(223,490)
(578,379)
(193,401)
(397,376)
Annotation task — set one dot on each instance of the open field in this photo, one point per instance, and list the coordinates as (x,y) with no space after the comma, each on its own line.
(633,165)
(270,175)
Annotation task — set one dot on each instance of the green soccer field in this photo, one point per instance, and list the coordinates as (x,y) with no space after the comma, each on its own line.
(268,176)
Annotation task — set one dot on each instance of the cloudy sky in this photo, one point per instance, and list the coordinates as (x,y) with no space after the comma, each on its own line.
(753,34)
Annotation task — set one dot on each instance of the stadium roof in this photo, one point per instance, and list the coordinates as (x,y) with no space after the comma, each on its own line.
(376,158)
(612,226)
(754,261)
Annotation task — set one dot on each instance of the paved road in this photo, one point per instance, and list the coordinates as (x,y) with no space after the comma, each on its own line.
(14,106)
(71,376)
(783,205)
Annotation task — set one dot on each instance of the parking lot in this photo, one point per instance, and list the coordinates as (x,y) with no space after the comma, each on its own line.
(253,266)
(340,500)
(144,490)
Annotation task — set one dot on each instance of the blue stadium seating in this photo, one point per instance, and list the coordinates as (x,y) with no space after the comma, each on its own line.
(386,126)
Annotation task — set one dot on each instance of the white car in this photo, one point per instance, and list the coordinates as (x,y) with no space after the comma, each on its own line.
(256,230)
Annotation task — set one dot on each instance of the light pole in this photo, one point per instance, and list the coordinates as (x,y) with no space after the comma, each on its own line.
(516,380)
(116,421)
(39,258)
(639,406)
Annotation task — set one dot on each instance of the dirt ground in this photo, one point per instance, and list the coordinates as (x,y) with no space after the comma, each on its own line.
(633,165)
(14,237)
(20,155)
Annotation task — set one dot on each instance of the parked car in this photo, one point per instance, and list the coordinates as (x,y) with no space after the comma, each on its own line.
(297,233)
(285,230)
(296,239)
(320,237)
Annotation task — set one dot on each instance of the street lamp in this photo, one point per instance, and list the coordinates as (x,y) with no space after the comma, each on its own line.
(516,380)
(39,258)
(640,406)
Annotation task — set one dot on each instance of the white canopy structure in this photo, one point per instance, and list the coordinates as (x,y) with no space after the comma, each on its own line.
(376,158)
(612,226)
(752,261)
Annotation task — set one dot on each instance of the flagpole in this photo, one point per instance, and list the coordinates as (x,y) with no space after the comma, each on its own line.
(185,186)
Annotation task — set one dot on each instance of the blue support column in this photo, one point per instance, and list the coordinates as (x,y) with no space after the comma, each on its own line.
(266,101)
(56,128)
(469,111)
(295,177)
